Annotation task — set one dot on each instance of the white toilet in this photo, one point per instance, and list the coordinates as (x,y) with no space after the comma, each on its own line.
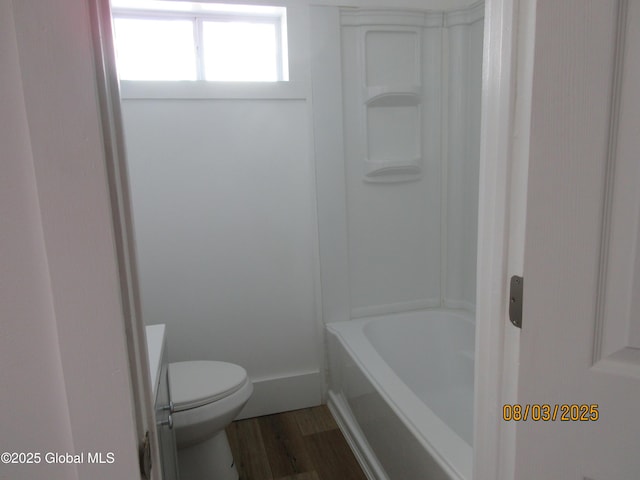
(206,397)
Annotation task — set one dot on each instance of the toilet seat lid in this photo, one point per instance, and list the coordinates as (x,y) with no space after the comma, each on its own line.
(196,383)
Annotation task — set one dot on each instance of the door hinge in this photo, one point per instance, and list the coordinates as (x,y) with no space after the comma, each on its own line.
(515,301)
(145,457)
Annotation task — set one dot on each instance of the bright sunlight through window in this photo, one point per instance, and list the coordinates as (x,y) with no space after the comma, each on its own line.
(162,40)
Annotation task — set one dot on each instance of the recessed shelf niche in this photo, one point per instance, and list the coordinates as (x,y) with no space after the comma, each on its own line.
(391,64)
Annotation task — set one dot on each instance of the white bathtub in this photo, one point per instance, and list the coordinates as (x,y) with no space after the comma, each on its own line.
(401,388)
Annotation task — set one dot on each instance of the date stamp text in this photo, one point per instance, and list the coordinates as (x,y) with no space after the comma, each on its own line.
(544,412)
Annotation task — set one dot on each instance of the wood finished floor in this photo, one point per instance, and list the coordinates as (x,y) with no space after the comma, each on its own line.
(299,445)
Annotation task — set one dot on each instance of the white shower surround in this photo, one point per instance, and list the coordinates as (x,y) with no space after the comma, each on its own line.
(399,255)
(410,243)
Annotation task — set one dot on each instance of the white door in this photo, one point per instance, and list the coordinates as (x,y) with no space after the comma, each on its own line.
(580,339)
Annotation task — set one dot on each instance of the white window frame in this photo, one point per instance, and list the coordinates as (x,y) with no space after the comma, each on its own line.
(282,74)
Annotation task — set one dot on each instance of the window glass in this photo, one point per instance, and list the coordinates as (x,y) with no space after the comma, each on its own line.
(166,40)
(155,49)
(240,51)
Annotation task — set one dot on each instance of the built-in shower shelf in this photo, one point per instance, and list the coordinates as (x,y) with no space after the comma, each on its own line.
(392,96)
(392,102)
(392,171)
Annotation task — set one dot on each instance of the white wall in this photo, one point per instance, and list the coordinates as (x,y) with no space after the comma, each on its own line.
(224,212)
(224,227)
(64,379)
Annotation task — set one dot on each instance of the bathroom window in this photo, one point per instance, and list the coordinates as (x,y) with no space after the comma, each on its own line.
(163,40)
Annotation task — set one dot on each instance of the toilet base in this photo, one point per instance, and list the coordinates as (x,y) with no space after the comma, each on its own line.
(209,460)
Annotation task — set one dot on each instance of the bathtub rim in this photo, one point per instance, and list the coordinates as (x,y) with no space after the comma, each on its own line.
(452,453)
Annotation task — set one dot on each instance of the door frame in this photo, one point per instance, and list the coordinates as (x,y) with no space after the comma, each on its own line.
(108,93)
(506,110)
(506,91)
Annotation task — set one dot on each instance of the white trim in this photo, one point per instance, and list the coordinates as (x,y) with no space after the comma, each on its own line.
(326,84)
(284,393)
(295,65)
(198,7)
(201,90)
(444,159)
(325,103)
(610,168)
(355,438)
(116,168)
(501,223)
(142,14)
(526,12)
(315,237)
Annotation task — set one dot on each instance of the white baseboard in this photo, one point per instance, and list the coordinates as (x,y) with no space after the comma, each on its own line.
(281,394)
(356,440)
